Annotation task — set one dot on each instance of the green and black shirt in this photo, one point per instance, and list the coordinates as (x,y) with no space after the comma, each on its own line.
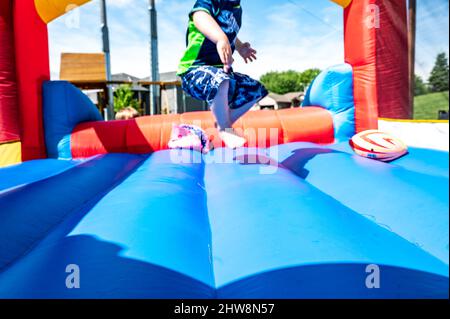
(201,51)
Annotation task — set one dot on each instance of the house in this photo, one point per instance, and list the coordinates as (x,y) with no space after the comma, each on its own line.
(173,99)
(88,72)
(277,101)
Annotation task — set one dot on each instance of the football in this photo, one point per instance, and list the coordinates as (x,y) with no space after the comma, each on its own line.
(378,145)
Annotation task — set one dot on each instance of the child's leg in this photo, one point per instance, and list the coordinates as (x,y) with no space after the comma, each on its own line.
(221,110)
(236,114)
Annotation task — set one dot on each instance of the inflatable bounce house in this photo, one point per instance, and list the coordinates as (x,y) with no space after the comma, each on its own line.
(296,214)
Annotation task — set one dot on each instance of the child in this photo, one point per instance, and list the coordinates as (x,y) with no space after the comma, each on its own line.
(206,67)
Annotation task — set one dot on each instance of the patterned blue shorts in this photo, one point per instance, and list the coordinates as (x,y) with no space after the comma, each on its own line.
(203,83)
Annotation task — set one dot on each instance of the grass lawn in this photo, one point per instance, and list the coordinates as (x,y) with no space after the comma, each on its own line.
(426,107)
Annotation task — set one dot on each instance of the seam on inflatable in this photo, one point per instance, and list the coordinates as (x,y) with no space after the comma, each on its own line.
(79,162)
(67,121)
(283,129)
(161,132)
(211,248)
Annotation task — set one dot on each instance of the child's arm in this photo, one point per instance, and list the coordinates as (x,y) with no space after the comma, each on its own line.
(206,24)
(246,51)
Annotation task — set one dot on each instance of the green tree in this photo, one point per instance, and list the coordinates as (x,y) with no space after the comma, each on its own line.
(420,87)
(288,81)
(308,76)
(439,75)
(282,82)
(124,97)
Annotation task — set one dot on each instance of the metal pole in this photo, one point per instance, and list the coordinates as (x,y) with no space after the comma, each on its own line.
(154,67)
(412,52)
(107,52)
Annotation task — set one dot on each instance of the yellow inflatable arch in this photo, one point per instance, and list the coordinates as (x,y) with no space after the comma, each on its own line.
(51,9)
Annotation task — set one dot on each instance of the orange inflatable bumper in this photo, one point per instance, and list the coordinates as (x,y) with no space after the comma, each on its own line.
(152,133)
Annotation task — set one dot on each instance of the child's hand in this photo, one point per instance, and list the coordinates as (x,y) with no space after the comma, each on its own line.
(247,52)
(225,53)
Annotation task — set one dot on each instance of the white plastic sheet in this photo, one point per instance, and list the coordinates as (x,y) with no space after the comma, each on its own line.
(419,134)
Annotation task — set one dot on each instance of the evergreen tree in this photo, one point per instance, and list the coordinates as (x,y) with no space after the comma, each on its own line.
(439,75)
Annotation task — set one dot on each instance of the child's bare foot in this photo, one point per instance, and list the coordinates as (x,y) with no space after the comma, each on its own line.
(231,139)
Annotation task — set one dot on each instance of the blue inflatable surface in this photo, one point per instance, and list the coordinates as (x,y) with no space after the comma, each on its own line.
(293,221)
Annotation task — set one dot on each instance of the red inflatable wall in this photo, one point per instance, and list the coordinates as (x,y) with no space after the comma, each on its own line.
(376,45)
(32,69)
(9,120)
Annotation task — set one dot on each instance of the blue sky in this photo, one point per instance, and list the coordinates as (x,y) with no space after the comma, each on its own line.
(288,34)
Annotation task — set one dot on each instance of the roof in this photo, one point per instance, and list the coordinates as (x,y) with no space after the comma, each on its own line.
(82,67)
(128,78)
(124,77)
(274,98)
(294,95)
(165,77)
(267,101)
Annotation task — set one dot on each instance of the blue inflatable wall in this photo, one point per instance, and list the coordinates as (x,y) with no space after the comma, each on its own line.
(64,106)
(332,89)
